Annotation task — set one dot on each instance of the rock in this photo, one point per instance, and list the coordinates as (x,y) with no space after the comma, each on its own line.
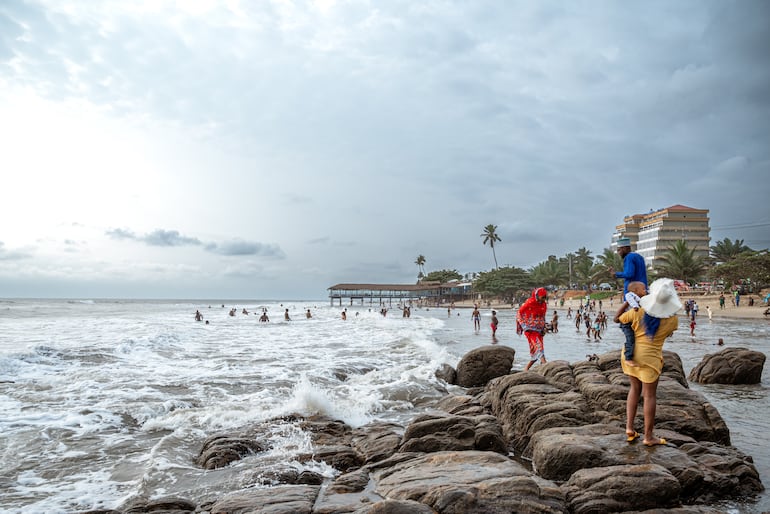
(332,443)
(705,471)
(222,449)
(286,499)
(621,489)
(161,505)
(376,441)
(469,482)
(396,507)
(447,373)
(480,365)
(286,475)
(730,366)
(527,402)
(434,433)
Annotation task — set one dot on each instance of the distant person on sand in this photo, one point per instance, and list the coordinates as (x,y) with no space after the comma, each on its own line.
(654,321)
(634,269)
(494,325)
(708,311)
(530,320)
(721,301)
(476,315)
(636,291)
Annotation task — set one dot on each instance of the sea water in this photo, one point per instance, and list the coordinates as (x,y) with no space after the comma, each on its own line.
(104,400)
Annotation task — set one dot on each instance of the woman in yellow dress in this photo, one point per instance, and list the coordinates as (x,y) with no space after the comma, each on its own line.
(652,324)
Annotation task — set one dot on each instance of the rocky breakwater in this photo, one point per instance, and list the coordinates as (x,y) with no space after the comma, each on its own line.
(544,441)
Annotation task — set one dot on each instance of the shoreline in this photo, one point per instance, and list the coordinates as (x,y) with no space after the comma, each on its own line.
(712,301)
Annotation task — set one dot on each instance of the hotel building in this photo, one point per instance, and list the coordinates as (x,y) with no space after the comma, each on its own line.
(652,234)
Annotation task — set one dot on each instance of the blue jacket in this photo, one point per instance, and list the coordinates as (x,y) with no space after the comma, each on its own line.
(634,270)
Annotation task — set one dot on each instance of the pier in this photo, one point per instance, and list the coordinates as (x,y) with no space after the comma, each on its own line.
(431,293)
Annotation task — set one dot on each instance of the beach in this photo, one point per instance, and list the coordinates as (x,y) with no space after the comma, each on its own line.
(743,311)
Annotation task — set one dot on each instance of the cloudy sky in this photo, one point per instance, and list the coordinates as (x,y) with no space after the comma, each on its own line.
(269,149)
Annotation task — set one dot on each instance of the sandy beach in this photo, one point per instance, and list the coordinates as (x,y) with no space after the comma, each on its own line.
(703,300)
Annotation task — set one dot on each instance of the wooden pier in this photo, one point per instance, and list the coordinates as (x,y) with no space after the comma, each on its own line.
(432,293)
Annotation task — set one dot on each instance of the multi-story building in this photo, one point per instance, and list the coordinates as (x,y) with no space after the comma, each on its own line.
(652,234)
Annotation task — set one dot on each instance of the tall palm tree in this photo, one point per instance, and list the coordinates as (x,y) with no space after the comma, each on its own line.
(420,263)
(680,262)
(490,236)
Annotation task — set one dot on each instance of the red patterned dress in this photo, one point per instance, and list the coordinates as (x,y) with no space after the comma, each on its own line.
(531,320)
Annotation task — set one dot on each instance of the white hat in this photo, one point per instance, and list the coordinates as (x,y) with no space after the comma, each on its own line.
(662,301)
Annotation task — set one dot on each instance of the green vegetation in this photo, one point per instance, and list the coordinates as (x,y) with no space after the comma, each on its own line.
(730,262)
(442,276)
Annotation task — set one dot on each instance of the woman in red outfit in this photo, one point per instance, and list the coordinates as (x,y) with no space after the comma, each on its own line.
(531,321)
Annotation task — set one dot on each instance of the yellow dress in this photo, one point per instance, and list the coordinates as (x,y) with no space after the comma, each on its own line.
(648,354)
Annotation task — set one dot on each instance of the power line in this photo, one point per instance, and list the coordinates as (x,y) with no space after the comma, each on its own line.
(747,225)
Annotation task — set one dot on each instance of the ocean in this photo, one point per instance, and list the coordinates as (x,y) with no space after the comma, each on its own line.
(103,400)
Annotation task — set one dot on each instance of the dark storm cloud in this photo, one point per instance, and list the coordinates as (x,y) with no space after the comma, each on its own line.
(240,248)
(172,238)
(120,233)
(158,237)
(169,238)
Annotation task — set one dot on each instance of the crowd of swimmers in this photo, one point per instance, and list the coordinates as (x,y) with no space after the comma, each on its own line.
(263,318)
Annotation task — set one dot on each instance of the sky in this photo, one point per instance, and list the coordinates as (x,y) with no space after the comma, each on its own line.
(271,149)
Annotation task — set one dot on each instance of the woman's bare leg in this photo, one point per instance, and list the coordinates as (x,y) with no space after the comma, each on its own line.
(649,391)
(632,403)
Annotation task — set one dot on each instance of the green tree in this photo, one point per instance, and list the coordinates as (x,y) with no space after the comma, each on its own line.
(726,250)
(490,236)
(680,262)
(608,260)
(508,282)
(550,272)
(752,266)
(443,276)
(420,266)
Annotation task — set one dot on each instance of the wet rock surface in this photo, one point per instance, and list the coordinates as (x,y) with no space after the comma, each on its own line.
(544,441)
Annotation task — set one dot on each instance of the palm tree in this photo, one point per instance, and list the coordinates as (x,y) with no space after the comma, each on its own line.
(550,272)
(420,263)
(608,259)
(490,236)
(726,250)
(680,262)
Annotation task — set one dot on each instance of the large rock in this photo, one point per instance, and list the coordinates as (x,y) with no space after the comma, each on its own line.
(469,482)
(220,450)
(481,365)
(621,489)
(286,499)
(436,433)
(730,366)
(705,471)
(376,441)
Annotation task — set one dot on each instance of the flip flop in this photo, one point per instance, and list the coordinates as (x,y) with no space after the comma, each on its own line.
(661,441)
(632,437)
